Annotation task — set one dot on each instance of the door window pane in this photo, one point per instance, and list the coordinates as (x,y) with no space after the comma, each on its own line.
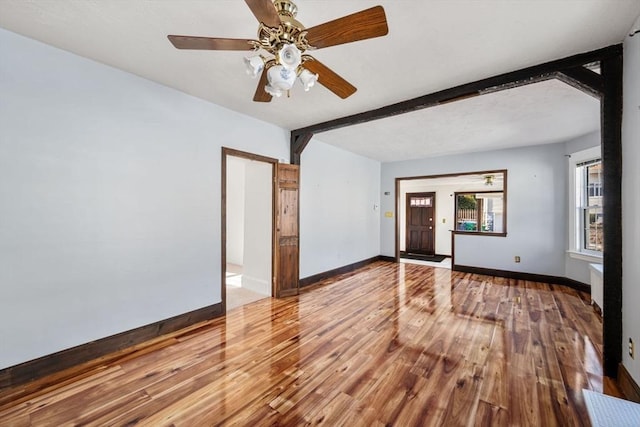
(420,202)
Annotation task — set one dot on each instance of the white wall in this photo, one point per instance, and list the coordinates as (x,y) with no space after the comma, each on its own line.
(109,198)
(258,213)
(631,203)
(338,222)
(535,207)
(235,210)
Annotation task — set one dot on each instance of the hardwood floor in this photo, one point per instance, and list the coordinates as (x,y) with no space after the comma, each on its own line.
(389,344)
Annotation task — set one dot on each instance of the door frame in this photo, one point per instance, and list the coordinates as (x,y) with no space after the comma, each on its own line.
(398,198)
(223,215)
(431,194)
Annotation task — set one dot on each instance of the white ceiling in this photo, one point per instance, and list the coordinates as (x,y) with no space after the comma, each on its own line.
(432,45)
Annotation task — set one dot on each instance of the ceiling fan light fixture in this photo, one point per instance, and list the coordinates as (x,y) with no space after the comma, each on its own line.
(289,56)
(273,91)
(308,79)
(255,65)
(281,78)
(281,42)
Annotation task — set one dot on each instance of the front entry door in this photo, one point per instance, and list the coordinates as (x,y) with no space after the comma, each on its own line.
(420,222)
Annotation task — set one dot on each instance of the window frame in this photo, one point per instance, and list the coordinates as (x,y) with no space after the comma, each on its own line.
(577,208)
(480,211)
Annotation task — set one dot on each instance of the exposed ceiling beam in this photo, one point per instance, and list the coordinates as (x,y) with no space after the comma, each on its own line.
(566,69)
(583,79)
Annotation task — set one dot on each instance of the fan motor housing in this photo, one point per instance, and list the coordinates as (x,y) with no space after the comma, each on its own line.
(286,7)
(290,30)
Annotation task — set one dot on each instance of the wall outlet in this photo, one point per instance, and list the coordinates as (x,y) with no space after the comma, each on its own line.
(517,259)
(631,349)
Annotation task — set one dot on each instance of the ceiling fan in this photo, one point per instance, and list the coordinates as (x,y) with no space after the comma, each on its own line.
(282,43)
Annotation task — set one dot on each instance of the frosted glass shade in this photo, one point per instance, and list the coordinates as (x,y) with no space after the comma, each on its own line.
(255,65)
(289,56)
(281,78)
(308,79)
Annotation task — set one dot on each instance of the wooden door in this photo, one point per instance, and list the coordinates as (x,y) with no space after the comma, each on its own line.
(286,242)
(420,224)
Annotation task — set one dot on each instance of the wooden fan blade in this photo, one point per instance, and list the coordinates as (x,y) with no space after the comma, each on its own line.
(361,25)
(330,79)
(210,43)
(261,94)
(265,12)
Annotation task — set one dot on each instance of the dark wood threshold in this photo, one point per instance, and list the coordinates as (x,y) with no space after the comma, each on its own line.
(628,386)
(557,280)
(422,257)
(311,280)
(34,375)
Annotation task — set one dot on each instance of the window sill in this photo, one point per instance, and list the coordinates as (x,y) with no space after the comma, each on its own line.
(585,257)
(478,233)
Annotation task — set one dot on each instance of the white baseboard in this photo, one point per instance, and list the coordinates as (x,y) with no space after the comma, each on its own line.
(256,285)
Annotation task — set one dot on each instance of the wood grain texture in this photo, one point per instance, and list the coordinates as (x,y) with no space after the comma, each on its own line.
(210,43)
(362,25)
(330,79)
(519,275)
(392,344)
(265,12)
(318,278)
(287,230)
(629,387)
(261,94)
(51,367)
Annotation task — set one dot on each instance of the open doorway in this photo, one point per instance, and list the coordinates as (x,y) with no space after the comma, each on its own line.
(247,228)
(430,209)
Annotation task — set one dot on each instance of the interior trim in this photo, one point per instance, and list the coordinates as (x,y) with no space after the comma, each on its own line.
(627,384)
(226,152)
(478,233)
(585,256)
(100,351)
(518,275)
(311,280)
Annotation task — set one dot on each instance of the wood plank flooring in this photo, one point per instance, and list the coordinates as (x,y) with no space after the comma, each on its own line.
(389,344)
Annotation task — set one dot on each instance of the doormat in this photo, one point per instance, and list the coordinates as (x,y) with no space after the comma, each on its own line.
(421,257)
